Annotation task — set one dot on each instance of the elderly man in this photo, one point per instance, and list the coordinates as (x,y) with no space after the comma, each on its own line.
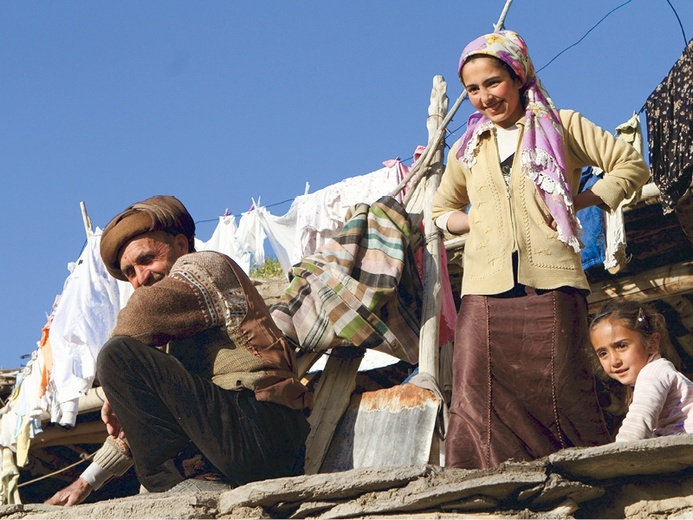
(196,373)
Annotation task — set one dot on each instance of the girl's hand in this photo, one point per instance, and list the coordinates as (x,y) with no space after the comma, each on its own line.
(583,200)
(458,223)
(586,199)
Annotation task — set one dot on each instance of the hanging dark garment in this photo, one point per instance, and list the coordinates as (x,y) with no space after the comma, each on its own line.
(669,114)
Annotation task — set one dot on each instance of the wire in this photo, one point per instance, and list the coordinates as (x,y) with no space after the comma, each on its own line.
(264,206)
(585,35)
(685,40)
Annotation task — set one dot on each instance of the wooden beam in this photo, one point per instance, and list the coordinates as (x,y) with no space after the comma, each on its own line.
(84,433)
(332,397)
(430,315)
(306,361)
(646,286)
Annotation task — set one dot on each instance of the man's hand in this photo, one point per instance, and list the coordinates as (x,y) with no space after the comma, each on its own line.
(72,495)
(113,426)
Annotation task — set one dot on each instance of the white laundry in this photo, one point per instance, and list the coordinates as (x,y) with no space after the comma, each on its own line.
(320,215)
(83,318)
(281,233)
(252,236)
(225,240)
(614,225)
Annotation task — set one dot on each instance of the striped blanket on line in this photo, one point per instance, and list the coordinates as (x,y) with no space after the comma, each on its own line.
(361,288)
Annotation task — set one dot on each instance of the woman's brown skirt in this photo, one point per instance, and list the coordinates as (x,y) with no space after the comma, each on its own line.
(521,384)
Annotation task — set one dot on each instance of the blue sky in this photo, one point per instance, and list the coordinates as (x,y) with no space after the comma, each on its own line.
(218,102)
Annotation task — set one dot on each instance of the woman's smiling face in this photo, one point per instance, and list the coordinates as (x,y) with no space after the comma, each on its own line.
(492,90)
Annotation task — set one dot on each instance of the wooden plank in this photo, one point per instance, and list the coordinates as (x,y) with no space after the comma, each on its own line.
(83,433)
(646,286)
(306,361)
(332,398)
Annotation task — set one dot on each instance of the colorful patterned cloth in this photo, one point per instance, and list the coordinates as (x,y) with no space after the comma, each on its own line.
(543,152)
(360,289)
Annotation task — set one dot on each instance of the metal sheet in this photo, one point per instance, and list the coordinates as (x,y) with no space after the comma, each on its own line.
(387,427)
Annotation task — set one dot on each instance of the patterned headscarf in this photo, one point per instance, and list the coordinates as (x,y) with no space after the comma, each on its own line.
(542,152)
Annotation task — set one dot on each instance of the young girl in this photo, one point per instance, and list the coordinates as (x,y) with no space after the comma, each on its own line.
(633,347)
(522,388)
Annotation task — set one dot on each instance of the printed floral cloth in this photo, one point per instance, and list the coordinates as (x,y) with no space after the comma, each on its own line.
(669,112)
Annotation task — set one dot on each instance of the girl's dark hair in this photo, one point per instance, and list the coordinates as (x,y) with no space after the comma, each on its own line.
(643,319)
(513,74)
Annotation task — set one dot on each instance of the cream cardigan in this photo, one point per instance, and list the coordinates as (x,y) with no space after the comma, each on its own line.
(501,224)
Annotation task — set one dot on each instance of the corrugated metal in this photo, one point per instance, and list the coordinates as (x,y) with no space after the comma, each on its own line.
(387,427)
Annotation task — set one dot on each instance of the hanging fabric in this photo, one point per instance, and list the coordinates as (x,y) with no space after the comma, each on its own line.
(360,289)
(670,136)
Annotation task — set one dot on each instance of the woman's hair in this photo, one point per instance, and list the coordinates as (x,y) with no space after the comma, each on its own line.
(641,318)
(513,74)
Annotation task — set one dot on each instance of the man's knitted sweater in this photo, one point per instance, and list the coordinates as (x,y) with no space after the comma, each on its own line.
(218,326)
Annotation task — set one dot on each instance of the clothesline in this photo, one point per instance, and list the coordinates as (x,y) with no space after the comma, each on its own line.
(215,219)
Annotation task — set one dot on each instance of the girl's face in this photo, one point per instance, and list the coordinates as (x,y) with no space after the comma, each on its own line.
(492,90)
(621,350)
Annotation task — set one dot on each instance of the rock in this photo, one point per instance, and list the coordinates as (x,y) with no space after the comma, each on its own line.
(449,486)
(646,457)
(663,508)
(270,289)
(150,505)
(326,486)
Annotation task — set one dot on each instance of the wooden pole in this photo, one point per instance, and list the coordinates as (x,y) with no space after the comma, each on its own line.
(429,351)
(430,323)
(501,19)
(420,169)
(86,220)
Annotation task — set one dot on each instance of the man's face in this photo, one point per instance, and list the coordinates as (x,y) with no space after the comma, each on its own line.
(148,258)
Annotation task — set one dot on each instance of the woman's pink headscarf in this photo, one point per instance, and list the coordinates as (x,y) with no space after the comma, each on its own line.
(542,152)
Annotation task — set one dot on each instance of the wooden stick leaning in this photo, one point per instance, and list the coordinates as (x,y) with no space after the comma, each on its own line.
(422,166)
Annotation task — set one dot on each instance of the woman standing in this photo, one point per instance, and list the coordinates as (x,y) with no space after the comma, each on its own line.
(522,388)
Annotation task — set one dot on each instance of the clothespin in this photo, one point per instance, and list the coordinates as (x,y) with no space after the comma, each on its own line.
(254,204)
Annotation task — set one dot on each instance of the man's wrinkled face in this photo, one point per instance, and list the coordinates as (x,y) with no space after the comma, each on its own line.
(148,258)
